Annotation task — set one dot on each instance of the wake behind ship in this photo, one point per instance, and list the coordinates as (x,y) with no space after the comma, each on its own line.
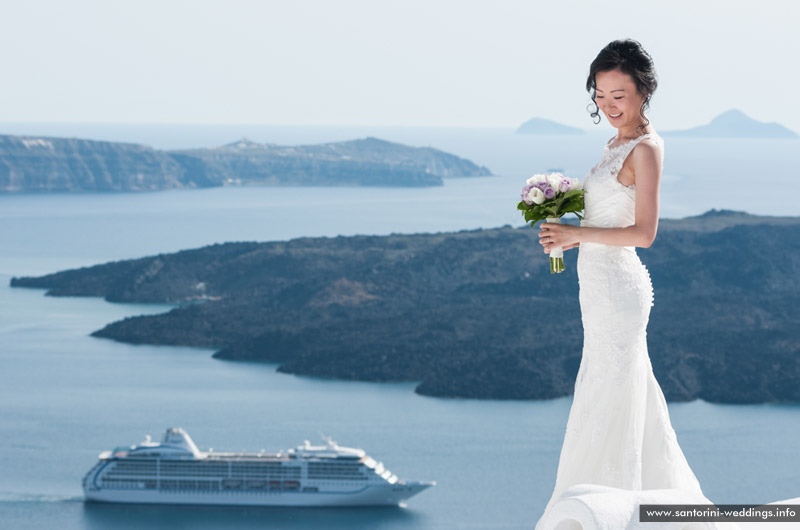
(176,472)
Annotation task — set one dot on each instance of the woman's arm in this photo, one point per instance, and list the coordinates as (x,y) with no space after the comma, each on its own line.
(645,161)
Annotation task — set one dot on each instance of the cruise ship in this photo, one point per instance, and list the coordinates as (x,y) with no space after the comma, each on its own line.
(176,472)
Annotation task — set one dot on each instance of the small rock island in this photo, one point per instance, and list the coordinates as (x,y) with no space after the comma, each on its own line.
(544,126)
(735,124)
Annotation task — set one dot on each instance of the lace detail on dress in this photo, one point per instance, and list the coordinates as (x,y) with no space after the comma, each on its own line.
(617,161)
(608,202)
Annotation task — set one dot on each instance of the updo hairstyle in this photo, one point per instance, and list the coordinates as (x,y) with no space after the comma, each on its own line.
(628,56)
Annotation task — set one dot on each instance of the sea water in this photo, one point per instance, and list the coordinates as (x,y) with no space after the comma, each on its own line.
(65,396)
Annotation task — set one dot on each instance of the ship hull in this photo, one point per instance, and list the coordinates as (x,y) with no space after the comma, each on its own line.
(376,495)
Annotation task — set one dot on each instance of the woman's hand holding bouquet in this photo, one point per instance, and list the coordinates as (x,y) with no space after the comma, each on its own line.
(550,196)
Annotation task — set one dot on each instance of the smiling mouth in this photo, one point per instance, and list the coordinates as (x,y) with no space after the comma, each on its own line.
(615,115)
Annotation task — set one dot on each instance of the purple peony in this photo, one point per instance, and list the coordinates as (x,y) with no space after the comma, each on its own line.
(564,187)
(549,193)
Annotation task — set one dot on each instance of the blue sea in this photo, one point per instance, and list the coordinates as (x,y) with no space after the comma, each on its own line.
(65,396)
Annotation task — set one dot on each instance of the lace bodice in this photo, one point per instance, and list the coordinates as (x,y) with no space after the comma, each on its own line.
(608,202)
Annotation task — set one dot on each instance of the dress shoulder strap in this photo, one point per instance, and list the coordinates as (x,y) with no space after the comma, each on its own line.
(635,141)
(630,144)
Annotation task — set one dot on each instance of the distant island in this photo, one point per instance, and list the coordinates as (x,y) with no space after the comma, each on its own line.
(543,126)
(471,314)
(735,124)
(43,164)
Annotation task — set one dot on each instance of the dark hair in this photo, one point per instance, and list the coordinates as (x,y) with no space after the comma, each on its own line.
(628,56)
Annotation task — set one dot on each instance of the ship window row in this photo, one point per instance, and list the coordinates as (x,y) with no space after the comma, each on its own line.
(260,465)
(152,464)
(245,474)
(132,472)
(336,473)
(323,476)
(164,484)
(257,465)
(262,476)
(237,484)
(190,469)
(328,477)
(200,464)
(260,471)
(337,469)
(170,471)
(121,483)
(289,473)
(203,472)
(172,468)
(337,483)
(230,485)
(135,465)
(190,484)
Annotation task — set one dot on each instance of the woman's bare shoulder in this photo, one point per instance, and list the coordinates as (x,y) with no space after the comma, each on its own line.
(653,145)
(647,156)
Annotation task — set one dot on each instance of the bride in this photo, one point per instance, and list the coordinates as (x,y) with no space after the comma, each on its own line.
(618,433)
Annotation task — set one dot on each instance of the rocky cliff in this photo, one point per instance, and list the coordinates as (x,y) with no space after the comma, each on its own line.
(474,313)
(29,164)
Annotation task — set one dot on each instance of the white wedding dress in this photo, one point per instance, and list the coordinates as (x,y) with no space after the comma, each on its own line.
(619,448)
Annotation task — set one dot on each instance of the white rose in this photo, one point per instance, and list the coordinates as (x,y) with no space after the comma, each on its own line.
(536,179)
(554,180)
(574,184)
(536,196)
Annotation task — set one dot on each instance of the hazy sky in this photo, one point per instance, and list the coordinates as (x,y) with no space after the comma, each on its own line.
(409,62)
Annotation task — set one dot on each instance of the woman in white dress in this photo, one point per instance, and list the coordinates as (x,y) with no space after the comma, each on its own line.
(618,433)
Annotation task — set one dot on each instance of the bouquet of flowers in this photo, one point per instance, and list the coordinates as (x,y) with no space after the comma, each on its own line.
(550,196)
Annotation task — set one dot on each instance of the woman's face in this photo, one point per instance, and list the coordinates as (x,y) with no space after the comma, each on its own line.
(617,97)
